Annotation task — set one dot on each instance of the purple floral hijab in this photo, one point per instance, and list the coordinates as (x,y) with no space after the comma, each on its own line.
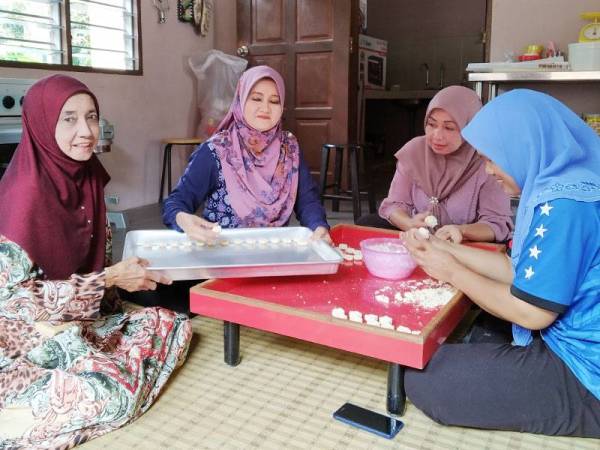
(260,167)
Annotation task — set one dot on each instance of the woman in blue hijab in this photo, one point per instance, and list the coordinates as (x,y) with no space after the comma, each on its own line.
(544,377)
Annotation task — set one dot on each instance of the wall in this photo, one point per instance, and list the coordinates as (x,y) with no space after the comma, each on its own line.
(159,104)
(427,31)
(517,23)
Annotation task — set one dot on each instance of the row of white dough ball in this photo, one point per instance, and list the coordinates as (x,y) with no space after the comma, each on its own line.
(371,319)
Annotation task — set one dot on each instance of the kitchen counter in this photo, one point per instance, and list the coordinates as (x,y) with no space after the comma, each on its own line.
(539,76)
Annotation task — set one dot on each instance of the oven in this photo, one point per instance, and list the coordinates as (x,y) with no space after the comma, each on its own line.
(375,70)
(12,91)
(372,56)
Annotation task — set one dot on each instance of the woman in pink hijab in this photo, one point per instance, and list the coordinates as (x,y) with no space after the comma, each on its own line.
(441,175)
(250,173)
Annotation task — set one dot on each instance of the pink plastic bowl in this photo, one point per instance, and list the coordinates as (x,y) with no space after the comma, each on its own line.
(387,258)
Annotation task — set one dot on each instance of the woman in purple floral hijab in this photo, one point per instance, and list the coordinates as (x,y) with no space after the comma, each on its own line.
(260,166)
(250,173)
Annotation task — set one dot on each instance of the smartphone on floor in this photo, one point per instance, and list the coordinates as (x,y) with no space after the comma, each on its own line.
(368,420)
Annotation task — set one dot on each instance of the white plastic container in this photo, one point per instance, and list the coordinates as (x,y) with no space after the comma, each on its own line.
(584,56)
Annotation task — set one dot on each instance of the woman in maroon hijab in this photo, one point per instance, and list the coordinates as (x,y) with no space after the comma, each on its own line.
(441,175)
(68,374)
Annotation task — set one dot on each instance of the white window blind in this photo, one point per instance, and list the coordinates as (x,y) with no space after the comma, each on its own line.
(103,33)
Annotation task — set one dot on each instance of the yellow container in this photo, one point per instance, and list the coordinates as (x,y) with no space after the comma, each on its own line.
(593,120)
(534,49)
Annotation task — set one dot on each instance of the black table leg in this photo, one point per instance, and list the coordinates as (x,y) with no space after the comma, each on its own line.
(396,397)
(231,340)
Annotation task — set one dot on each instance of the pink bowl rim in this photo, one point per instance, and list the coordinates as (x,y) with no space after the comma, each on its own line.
(364,245)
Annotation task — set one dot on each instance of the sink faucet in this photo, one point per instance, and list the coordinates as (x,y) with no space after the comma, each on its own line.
(442,68)
(426,67)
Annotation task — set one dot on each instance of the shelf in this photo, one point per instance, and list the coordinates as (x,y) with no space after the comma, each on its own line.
(544,76)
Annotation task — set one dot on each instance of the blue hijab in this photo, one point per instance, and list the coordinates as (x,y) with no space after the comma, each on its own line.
(548,150)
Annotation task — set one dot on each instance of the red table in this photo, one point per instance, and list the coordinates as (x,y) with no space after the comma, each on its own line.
(300,307)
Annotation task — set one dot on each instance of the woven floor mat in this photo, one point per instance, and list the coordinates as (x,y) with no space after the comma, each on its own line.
(282,396)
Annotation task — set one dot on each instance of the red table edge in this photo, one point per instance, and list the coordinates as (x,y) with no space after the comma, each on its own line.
(389,345)
(383,231)
(491,246)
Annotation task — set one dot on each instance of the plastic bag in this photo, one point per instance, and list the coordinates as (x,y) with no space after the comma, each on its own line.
(217,74)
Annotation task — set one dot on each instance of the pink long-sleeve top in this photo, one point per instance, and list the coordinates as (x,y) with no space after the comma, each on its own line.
(479,199)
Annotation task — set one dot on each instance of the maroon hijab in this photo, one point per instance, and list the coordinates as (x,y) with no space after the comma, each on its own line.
(440,175)
(50,204)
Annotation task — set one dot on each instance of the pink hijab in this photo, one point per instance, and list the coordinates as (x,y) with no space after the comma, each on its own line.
(260,168)
(50,204)
(440,175)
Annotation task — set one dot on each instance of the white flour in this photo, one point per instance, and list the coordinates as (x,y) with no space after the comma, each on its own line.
(428,294)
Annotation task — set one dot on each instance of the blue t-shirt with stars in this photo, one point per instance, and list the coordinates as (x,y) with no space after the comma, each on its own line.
(559,270)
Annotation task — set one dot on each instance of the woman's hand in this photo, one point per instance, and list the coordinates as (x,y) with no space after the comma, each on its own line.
(418,220)
(431,255)
(450,233)
(323,234)
(197,228)
(132,275)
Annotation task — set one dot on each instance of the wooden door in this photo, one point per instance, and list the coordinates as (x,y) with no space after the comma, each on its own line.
(312,43)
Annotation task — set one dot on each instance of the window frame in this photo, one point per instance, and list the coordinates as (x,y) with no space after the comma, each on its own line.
(65,17)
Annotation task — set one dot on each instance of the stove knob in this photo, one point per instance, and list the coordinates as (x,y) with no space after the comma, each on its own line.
(21,100)
(8,102)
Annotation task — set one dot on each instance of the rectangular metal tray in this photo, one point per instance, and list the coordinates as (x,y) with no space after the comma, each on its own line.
(239,252)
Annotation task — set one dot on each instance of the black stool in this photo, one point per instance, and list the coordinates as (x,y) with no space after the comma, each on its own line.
(166,165)
(354,193)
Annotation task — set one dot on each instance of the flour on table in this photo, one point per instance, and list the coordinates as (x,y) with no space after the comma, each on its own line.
(428,298)
(427,293)
(382,298)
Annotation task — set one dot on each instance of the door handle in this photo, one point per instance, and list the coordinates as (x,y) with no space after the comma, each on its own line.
(243,51)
